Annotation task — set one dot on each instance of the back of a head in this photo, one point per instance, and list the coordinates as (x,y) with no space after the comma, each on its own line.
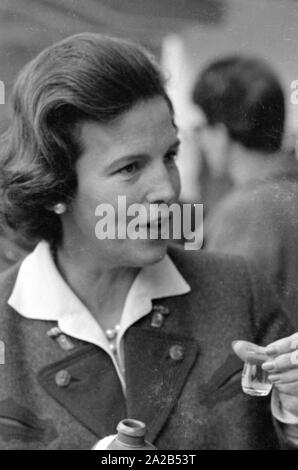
(245,95)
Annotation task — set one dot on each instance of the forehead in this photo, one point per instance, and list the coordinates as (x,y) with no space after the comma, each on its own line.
(147,127)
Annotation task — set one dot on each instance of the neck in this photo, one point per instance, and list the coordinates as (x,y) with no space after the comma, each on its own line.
(101,288)
(250,166)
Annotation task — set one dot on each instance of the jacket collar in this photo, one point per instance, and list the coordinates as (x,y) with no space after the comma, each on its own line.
(41,293)
(157,364)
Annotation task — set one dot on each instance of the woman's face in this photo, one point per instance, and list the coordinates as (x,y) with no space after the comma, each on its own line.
(134,157)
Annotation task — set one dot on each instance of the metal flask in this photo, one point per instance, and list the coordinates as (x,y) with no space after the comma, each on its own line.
(130,436)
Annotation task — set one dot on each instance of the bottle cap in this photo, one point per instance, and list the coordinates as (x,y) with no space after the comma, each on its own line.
(131,431)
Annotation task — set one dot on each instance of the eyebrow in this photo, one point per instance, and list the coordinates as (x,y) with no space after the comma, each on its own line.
(137,156)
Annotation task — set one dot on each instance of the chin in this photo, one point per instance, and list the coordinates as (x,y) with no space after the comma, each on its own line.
(151,253)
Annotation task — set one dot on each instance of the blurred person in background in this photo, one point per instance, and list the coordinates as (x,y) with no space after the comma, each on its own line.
(244,106)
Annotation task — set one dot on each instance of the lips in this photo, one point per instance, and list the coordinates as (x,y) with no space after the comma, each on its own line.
(157,228)
(157,223)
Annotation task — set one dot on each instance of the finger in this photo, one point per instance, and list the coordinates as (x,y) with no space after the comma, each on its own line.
(249,351)
(284,345)
(287,377)
(288,402)
(281,363)
(286,391)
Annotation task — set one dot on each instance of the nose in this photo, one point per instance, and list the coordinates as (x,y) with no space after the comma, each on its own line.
(164,185)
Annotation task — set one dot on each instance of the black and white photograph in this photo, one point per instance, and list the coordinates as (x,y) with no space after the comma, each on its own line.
(148,227)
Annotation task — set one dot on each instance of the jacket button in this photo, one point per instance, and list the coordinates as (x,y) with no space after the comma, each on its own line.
(54,332)
(157,320)
(176,352)
(64,342)
(162,309)
(62,378)
(113,348)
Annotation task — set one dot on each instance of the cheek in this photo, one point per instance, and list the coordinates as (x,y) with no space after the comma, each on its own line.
(83,209)
(84,205)
(208,145)
(176,180)
(91,194)
(87,213)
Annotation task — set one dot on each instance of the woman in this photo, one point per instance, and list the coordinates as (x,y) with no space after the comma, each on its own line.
(99,329)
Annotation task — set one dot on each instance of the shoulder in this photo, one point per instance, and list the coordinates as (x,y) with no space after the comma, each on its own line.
(232,291)
(269,206)
(225,276)
(8,279)
(270,192)
(211,269)
(7,282)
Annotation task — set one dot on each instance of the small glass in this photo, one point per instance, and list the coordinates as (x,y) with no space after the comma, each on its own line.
(254,379)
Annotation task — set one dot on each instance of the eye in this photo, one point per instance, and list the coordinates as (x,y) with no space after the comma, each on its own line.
(171,157)
(129,170)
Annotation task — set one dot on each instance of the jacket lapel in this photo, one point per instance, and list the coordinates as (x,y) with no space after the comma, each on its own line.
(93,395)
(157,365)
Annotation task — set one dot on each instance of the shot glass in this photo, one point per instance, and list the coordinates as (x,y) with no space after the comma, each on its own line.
(254,379)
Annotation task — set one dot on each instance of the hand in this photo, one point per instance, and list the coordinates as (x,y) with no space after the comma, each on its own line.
(282,367)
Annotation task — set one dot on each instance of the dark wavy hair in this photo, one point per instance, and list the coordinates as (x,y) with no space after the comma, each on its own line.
(86,77)
(245,95)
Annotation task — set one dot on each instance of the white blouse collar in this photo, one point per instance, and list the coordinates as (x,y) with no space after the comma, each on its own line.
(40,293)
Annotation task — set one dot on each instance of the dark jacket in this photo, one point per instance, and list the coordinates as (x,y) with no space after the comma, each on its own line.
(260,222)
(182,379)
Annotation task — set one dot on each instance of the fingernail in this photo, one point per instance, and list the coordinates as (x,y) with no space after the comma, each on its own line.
(251,352)
(271,350)
(274,378)
(268,365)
